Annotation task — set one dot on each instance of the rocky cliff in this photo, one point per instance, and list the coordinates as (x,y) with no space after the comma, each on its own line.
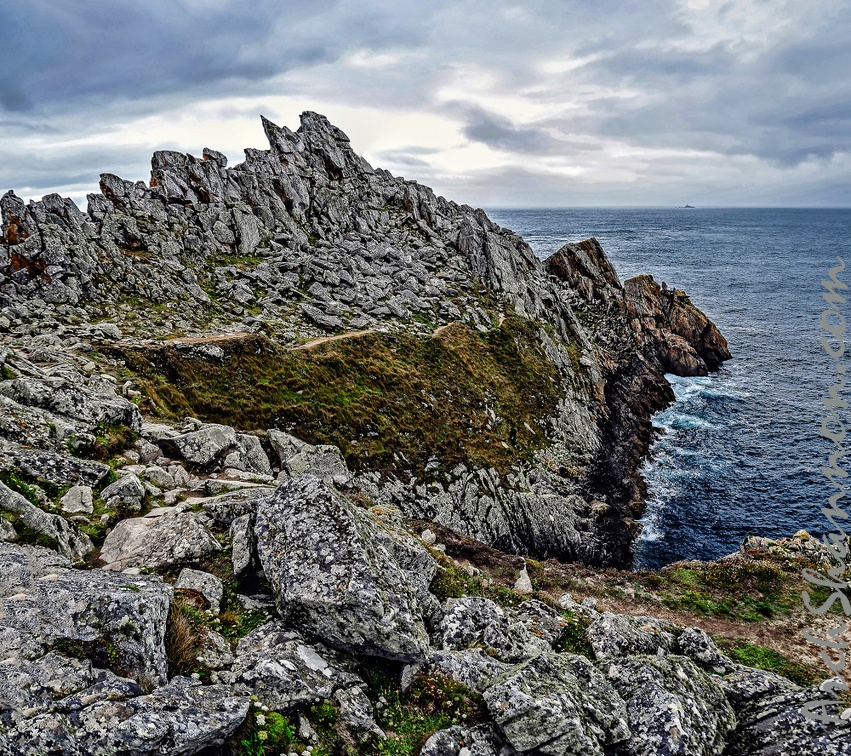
(230,393)
(531,441)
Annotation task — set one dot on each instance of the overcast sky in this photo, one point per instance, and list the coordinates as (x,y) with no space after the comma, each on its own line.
(497,104)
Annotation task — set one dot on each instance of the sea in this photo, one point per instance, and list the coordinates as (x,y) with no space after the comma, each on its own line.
(739,452)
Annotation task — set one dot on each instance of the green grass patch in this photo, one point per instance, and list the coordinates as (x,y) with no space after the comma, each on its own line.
(574,640)
(749,591)
(409,718)
(20,485)
(760,657)
(110,441)
(463,396)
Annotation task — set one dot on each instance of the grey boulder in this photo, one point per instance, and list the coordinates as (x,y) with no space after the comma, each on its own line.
(475,621)
(64,536)
(77,500)
(300,458)
(460,740)
(674,707)
(177,719)
(558,704)
(284,672)
(162,537)
(202,447)
(333,575)
(127,491)
(615,635)
(46,604)
(209,586)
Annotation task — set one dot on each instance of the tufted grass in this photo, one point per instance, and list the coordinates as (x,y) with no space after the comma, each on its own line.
(760,657)
(481,399)
(409,718)
(744,591)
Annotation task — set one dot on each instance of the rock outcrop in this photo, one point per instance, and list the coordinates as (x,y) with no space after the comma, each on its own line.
(334,575)
(306,239)
(250,581)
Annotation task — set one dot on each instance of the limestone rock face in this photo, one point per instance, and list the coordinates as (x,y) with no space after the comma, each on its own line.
(65,536)
(558,703)
(673,706)
(47,604)
(333,575)
(164,536)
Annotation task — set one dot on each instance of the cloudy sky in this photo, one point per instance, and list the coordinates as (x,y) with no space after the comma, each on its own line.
(494,103)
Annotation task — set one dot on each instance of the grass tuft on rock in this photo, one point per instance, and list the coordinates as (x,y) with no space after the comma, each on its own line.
(760,657)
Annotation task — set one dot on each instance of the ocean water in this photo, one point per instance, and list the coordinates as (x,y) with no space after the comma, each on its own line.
(740,451)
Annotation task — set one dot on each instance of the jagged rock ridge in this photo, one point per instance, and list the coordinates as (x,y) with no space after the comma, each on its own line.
(306,238)
(293,575)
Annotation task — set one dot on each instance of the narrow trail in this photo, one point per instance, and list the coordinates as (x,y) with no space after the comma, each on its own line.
(339,337)
(218,337)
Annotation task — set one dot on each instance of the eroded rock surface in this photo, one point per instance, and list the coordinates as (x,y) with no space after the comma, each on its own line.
(332,574)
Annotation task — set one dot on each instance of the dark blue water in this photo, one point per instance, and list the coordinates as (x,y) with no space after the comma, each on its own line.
(741,453)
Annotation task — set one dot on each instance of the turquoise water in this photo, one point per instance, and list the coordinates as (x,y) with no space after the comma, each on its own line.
(740,452)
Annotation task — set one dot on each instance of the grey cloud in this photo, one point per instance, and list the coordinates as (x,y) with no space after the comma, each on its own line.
(120,48)
(500,133)
(393,157)
(76,68)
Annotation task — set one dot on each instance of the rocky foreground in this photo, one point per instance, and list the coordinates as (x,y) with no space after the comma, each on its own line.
(235,402)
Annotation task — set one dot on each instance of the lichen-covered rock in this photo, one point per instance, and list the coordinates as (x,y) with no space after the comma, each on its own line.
(674,708)
(613,635)
(90,401)
(223,509)
(300,458)
(52,467)
(283,671)
(558,704)
(745,686)
(460,740)
(78,499)
(540,620)
(46,605)
(33,685)
(332,574)
(160,478)
(126,491)
(252,455)
(201,447)
(773,725)
(209,586)
(475,621)
(177,719)
(164,536)
(472,667)
(699,647)
(61,534)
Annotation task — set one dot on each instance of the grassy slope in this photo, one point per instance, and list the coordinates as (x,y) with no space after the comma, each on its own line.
(483,399)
